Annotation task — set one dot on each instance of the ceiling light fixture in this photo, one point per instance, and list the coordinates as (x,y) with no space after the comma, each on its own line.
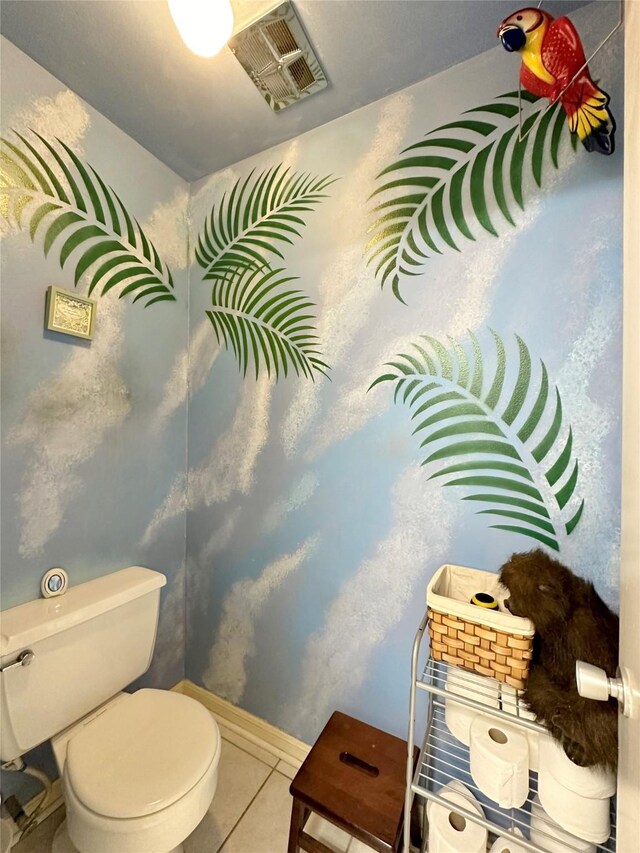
(205,25)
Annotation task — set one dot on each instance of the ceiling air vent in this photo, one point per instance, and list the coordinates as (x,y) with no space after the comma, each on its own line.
(276,54)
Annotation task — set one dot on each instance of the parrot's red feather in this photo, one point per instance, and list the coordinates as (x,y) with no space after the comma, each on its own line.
(561,50)
(534,84)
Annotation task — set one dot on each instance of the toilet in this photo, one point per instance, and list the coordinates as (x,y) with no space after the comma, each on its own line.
(139,770)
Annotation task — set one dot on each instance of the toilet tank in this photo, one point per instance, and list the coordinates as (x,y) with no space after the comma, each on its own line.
(88,644)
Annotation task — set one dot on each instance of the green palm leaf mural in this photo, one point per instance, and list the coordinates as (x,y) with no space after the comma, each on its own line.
(260,213)
(464,175)
(498,433)
(253,310)
(67,199)
(265,323)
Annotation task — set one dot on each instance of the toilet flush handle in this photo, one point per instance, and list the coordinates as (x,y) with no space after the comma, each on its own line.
(23,659)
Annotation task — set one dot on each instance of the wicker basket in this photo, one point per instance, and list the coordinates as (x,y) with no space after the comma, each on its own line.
(488,642)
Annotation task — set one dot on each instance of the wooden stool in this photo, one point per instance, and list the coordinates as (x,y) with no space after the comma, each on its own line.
(354,777)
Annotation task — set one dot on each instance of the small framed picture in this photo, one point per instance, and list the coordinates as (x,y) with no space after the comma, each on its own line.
(69,313)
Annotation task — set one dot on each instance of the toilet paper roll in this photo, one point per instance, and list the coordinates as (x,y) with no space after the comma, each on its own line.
(586,817)
(593,782)
(499,760)
(450,832)
(549,836)
(512,703)
(508,845)
(480,688)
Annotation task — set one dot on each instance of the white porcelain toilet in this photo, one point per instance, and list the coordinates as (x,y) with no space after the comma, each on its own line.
(139,770)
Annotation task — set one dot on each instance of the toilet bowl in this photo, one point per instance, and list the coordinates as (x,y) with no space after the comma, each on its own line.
(138,774)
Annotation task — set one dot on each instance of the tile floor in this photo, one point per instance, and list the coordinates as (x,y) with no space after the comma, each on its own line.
(250,812)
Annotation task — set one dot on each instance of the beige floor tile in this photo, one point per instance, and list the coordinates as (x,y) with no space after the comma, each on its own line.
(287,768)
(240,777)
(41,838)
(265,826)
(326,832)
(360,847)
(254,749)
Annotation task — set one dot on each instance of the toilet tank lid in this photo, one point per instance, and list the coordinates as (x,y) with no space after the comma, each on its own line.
(28,623)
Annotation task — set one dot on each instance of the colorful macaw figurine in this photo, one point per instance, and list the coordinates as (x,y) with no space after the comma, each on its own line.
(552,55)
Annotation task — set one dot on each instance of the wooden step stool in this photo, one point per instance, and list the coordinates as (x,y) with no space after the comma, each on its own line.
(354,777)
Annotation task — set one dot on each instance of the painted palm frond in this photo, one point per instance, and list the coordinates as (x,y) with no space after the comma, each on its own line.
(266,323)
(251,223)
(464,176)
(74,208)
(253,311)
(496,432)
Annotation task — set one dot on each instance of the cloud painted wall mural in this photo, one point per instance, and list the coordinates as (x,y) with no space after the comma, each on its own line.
(397,339)
(466,286)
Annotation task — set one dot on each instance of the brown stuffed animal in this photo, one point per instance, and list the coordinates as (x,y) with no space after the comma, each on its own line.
(572,623)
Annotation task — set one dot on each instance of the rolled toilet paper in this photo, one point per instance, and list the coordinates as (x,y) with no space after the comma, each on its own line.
(546,833)
(480,688)
(451,832)
(593,782)
(586,817)
(499,761)
(512,703)
(508,845)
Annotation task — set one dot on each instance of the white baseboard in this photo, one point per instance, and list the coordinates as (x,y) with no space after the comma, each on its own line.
(247,725)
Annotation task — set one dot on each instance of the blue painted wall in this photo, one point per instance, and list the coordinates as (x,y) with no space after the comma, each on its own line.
(312,528)
(92,434)
(308,530)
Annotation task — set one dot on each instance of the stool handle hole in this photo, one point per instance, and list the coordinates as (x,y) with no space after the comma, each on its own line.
(359,764)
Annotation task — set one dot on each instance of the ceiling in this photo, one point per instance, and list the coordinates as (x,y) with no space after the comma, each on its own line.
(126,59)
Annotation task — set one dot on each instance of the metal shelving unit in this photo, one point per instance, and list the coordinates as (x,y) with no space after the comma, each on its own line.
(443,758)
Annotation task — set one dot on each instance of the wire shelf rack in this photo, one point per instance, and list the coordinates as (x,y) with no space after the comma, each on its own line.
(477,694)
(444,759)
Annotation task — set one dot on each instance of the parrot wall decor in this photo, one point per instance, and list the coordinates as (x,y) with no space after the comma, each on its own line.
(552,56)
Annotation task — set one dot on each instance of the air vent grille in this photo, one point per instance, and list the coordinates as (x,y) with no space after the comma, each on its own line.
(255,52)
(282,38)
(277,86)
(301,74)
(277,56)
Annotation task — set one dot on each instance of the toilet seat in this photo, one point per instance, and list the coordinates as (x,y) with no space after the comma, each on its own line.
(137,737)
(160,831)
(141,754)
